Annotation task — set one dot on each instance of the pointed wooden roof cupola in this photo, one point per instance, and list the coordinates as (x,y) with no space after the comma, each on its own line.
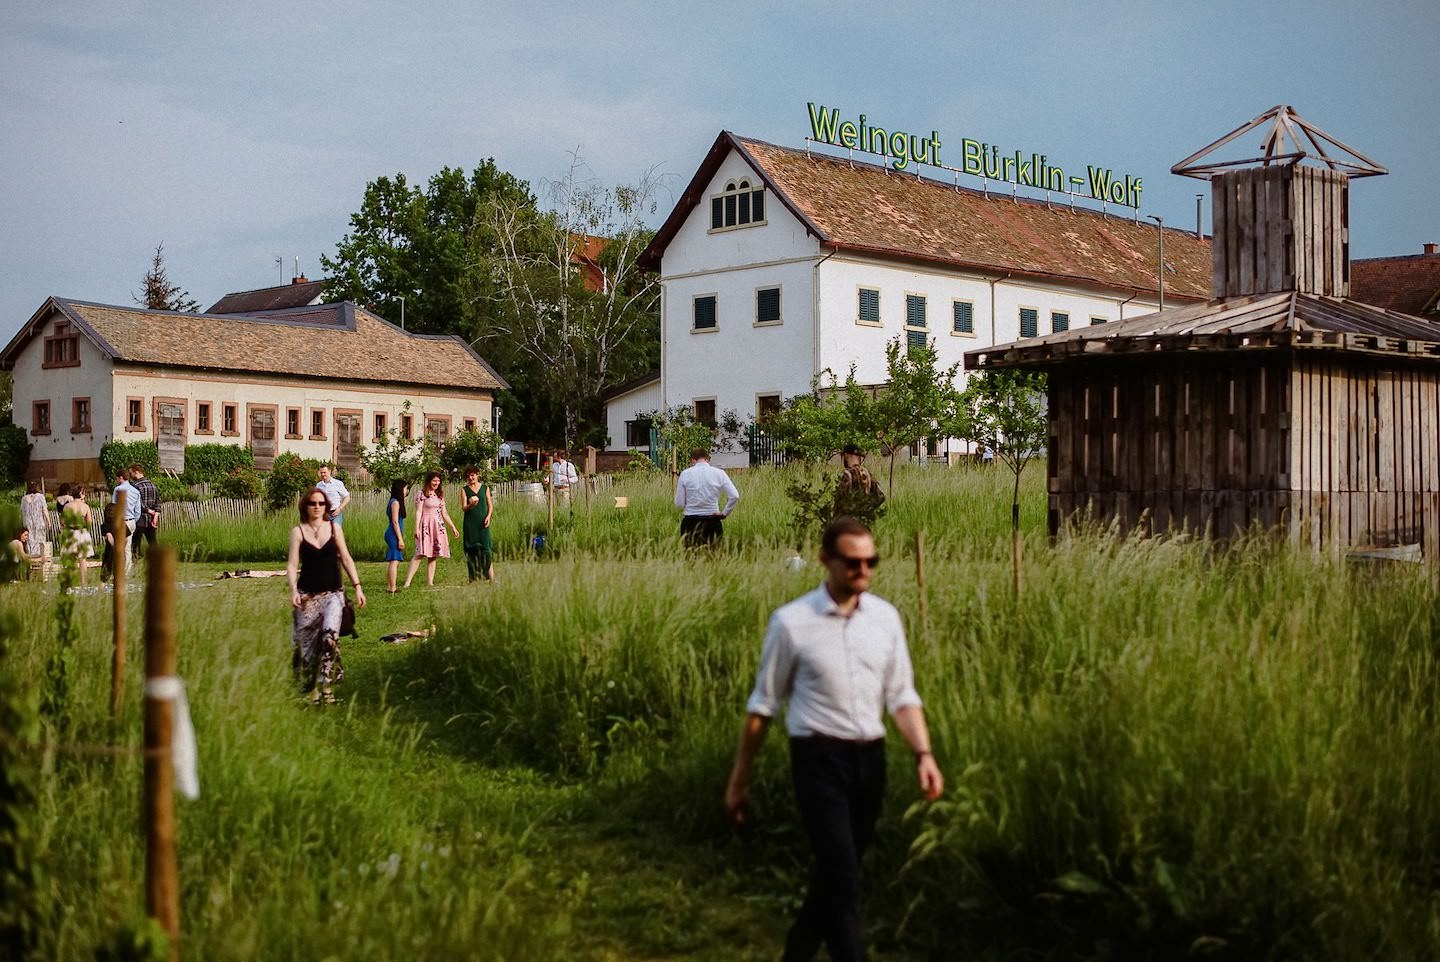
(1281,224)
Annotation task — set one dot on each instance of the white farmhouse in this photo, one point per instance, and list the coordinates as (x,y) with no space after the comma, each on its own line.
(778,264)
(317,380)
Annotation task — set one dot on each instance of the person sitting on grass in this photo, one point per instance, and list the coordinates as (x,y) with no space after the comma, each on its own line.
(317,554)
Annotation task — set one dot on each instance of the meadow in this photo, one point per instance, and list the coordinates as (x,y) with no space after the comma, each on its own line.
(1163,750)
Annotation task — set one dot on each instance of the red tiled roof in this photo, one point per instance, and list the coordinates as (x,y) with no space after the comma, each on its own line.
(1410,284)
(871,209)
(338,341)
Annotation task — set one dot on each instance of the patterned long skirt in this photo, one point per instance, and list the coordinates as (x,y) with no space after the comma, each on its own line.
(316,640)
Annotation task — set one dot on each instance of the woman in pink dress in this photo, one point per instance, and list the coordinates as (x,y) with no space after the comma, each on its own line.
(431,520)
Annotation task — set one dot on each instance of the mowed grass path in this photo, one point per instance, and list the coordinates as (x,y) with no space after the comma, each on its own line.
(1166,751)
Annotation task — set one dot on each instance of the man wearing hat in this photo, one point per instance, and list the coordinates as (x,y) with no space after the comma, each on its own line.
(857,493)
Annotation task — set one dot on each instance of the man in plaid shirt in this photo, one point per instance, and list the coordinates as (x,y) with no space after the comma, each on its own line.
(149,508)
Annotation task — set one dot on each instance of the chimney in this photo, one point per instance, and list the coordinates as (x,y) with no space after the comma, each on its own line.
(1429,249)
(299,279)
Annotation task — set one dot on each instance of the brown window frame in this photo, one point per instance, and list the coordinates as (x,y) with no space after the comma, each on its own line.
(35,409)
(447,420)
(64,342)
(471,424)
(294,435)
(407,427)
(714,412)
(205,414)
(233,410)
(76,427)
(381,425)
(317,416)
(139,408)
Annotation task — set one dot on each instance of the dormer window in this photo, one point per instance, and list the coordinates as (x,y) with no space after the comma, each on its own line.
(62,348)
(741,204)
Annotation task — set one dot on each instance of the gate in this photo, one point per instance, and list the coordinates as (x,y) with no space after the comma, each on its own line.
(262,436)
(347,440)
(170,434)
(764,449)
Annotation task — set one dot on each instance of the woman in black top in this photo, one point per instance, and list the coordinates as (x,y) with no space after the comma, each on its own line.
(317,553)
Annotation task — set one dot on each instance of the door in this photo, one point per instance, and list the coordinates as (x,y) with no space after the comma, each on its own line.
(262,436)
(347,440)
(170,433)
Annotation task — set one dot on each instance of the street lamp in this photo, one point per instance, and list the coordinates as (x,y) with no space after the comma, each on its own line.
(1160,267)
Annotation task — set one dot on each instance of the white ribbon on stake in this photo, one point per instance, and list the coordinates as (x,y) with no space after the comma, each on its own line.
(182,740)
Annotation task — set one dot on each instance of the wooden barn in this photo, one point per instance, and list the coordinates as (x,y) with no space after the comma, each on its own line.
(1281,402)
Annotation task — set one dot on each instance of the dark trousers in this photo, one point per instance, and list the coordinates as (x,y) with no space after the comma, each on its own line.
(839,786)
(143,532)
(698,529)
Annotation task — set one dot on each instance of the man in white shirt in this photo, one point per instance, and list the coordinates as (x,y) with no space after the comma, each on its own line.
(697,495)
(335,492)
(562,475)
(841,660)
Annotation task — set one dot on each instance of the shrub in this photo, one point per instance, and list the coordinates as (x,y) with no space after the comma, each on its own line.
(14,454)
(289,475)
(466,448)
(173,489)
(241,483)
(116,456)
(211,463)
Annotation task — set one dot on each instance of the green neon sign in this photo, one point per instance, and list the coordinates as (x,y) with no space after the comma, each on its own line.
(978,159)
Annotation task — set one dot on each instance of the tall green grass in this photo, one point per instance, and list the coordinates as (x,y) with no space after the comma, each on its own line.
(1164,749)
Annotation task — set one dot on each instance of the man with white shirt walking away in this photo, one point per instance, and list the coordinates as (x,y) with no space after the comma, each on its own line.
(841,661)
(697,494)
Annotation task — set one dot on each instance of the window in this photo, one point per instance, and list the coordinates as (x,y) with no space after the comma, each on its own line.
(916,335)
(407,426)
(766,406)
(1029,322)
(964,317)
(317,424)
(705,313)
(470,424)
(637,433)
(1059,322)
(292,422)
(767,305)
(40,418)
(740,205)
(1097,320)
(867,311)
(437,429)
(62,349)
(80,415)
(134,414)
(202,418)
(380,422)
(229,418)
(705,412)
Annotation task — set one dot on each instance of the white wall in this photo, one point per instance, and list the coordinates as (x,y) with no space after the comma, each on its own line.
(626,407)
(60,385)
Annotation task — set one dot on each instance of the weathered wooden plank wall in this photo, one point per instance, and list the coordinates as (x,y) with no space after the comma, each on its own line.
(1340,451)
(1280,228)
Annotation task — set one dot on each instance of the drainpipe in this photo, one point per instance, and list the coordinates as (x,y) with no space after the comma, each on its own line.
(664,343)
(1160,269)
(1127,301)
(815,315)
(992,305)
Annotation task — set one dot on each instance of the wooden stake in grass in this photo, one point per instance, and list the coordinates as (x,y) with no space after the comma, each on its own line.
(920,577)
(585,480)
(550,504)
(117,580)
(162,884)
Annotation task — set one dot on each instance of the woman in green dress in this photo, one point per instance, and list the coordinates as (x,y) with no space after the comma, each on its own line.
(478,505)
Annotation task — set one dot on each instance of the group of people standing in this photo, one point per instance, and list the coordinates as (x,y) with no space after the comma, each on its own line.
(318,556)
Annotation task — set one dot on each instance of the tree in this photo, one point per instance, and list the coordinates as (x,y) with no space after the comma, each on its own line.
(818,425)
(915,400)
(576,341)
(158,293)
(1004,412)
(678,432)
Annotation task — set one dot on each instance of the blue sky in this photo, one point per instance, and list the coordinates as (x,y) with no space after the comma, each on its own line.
(239,132)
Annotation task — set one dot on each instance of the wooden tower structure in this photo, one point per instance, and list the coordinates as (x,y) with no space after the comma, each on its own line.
(1281,402)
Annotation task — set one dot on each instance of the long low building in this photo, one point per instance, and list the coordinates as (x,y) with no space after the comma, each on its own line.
(318,380)
(779,264)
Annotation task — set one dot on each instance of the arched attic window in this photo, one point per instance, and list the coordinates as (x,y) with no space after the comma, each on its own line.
(739,205)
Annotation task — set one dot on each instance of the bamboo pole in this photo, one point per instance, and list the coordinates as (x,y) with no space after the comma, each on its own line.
(117,581)
(162,884)
(920,578)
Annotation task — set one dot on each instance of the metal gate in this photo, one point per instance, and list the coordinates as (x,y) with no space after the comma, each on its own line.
(764,449)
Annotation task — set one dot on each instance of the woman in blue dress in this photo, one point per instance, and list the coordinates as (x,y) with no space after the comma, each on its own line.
(395,532)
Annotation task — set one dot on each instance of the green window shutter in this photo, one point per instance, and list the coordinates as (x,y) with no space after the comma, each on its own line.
(1029,322)
(869,305)
(1059,322)
(1097,320)
(964,317)
(757,205)
(717,213)
(744,208)
(705,312)
(915,340)
(730,209)
(767,305)
(914,310)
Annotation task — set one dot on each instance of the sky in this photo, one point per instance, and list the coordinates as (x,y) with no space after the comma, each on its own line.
(239,133)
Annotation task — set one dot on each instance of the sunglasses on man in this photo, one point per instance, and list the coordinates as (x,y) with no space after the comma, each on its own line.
(854,564)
